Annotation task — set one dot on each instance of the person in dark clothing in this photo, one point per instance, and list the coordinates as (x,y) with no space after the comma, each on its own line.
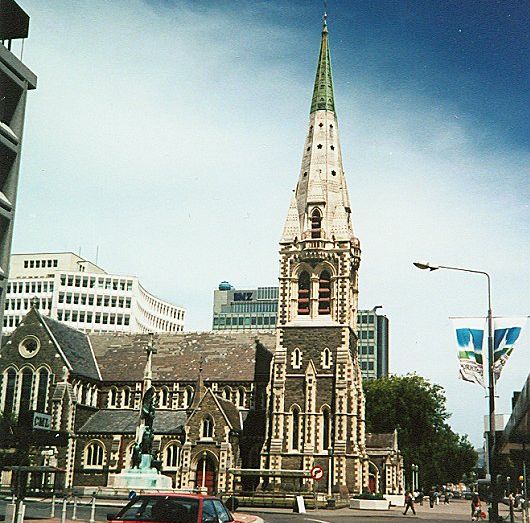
(409,503)
(432,498)
(475,507)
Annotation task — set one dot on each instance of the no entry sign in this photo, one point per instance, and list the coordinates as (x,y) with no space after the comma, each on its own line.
(317,472)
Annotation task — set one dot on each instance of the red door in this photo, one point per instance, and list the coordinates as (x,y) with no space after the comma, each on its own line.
(371,483)
(206,475)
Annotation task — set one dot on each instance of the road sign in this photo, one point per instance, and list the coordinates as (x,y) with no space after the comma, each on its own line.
(317,472)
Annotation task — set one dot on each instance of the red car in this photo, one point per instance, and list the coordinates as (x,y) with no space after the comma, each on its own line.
(174,508)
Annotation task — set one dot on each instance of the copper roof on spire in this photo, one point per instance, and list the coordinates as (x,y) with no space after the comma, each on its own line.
(323,98)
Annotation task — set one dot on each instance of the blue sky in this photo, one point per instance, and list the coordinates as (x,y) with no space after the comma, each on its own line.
(170,135)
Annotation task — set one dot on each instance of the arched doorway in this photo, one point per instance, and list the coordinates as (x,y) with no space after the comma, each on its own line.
(373,477)
(205,474)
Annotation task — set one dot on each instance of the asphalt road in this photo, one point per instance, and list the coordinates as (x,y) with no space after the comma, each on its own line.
(456,511)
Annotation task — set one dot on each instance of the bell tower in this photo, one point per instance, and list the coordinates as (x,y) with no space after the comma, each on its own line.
(316,402)
(319,254)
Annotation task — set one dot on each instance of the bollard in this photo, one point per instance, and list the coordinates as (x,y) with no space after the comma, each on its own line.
(93,511)
(52,514)
(63,511)
(21,511)
(74,511)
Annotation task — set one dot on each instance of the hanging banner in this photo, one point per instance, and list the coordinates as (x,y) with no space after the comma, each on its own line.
(506,331)
(469,339)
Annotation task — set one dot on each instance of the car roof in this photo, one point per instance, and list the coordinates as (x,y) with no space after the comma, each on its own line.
(177,494)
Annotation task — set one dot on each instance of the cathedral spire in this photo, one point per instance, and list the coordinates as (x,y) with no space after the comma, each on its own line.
(318,222)
(323,91)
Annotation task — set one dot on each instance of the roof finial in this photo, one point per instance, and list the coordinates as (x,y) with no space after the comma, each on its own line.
(325,13)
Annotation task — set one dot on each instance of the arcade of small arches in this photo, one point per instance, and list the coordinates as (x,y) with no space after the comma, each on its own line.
(128,398)
(314,293)
(95,455)
(24,389)
(295,428)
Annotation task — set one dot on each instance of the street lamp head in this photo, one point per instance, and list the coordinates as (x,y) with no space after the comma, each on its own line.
(425,265)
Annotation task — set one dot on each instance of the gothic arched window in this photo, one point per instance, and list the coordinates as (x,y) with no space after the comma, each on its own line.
(207,427)
(316,224)
(296,358)
(304,293)
(326,358)
(188,395)
(26,389)
(227,393)
(94,454)
(241,397)
(113,397)
(295,435)
(163,397)
(42,391)
(9,401)
(326,428)
(126,398)
(171,456)
(324,293)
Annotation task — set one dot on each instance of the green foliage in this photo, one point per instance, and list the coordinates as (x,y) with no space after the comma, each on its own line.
(416,408)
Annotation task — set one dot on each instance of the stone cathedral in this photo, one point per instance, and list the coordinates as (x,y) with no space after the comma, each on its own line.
(235,411)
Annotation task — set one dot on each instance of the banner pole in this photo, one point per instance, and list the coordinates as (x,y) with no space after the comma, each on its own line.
(494,509)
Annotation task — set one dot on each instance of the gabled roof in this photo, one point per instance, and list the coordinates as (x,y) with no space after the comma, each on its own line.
(230,412)
(223,356)
(63,389)
(75,347)
(113,421)
(381,441)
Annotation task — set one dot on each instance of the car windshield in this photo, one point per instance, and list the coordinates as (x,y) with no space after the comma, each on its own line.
(167,509)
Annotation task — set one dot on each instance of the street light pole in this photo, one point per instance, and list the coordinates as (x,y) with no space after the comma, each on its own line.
(494,510)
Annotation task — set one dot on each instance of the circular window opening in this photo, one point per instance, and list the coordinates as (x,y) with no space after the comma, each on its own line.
(29,346)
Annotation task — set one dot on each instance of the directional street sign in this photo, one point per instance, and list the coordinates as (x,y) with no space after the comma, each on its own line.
(317,472)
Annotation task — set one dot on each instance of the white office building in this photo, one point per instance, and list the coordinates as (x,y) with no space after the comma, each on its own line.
(82,295)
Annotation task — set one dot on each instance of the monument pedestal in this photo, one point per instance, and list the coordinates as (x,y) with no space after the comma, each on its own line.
(143,478)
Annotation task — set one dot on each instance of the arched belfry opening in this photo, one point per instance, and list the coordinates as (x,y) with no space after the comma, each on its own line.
(324,293)
(304,293)
(316,224)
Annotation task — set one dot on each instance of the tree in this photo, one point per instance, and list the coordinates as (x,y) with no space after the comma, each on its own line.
(416,408)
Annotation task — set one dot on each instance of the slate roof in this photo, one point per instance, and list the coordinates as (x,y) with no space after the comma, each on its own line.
(113,421)
(75,347)
(232,413)
(380,441)
(241,356)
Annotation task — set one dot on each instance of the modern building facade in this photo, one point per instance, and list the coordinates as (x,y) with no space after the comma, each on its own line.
(15,82)
(257,310)
(80,294)
(244,309)
(373,349)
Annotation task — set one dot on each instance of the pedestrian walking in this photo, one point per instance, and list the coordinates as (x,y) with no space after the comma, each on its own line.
(432,498)
(446,498)
(511,499)
(409,503)
(476,509)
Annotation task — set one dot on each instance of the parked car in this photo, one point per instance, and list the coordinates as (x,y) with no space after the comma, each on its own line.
(457,494)
(173,508)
